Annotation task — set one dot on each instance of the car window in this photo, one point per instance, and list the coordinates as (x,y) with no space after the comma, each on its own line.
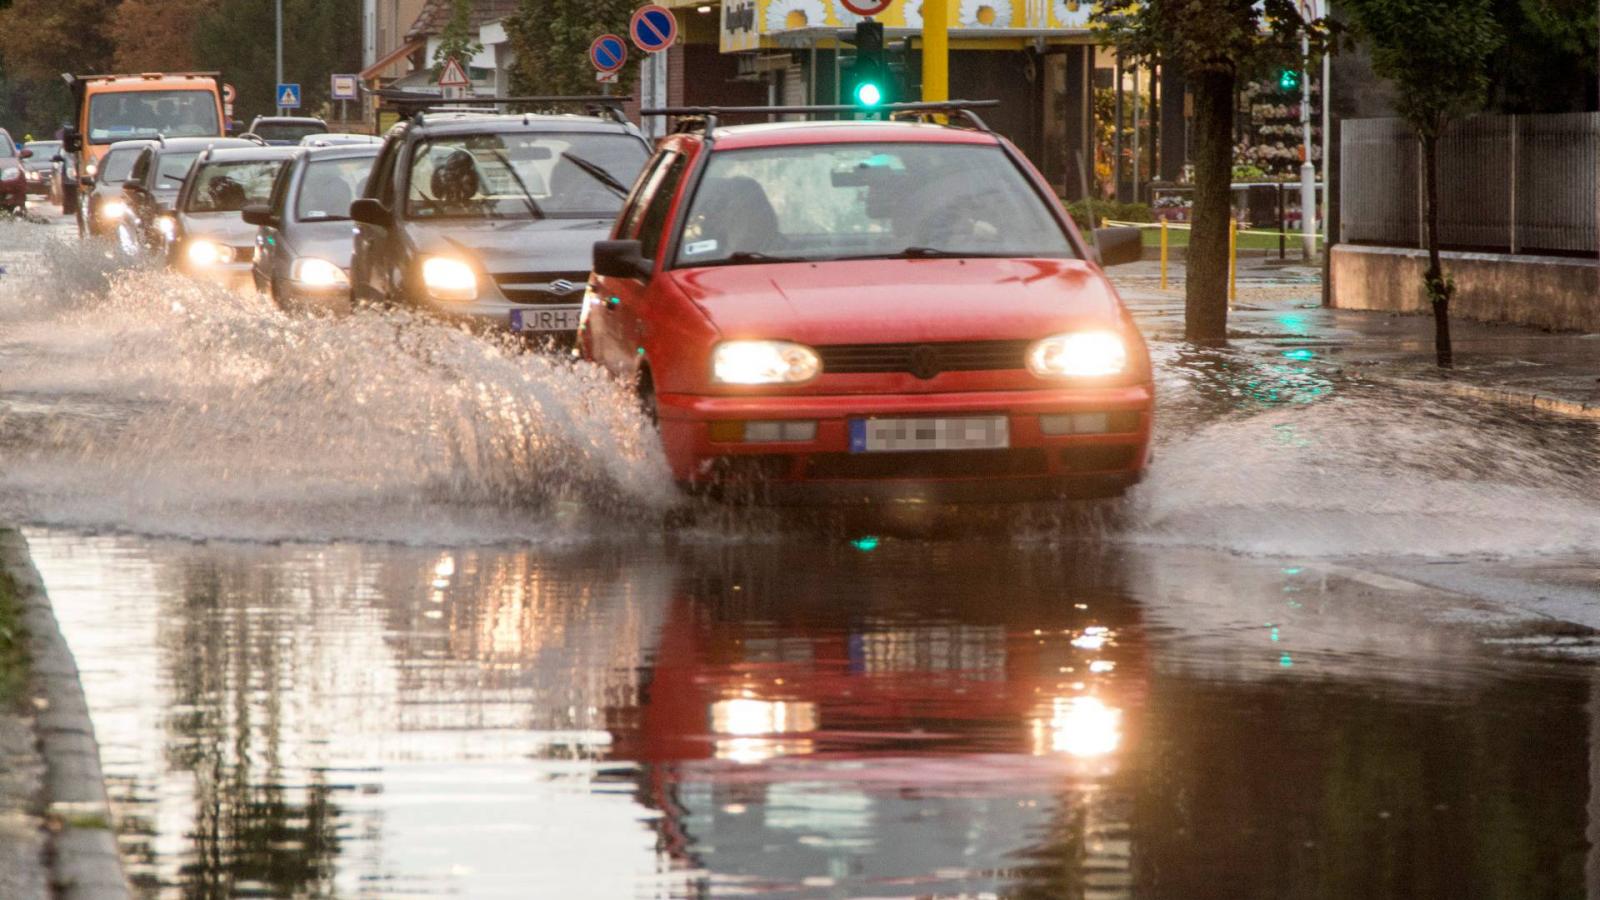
(231,186)
(860,201)
(173,168)
(129,115)
(287,131)
(642,192)
(654,223)
(280,191)
(117,165)
(329,186)
(522,175)
(141,166)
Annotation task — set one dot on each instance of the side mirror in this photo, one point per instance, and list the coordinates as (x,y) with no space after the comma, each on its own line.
(260,216)
(368,211)
(1119,246)
(25,153)
(621,259)
(71,141)
(58,158)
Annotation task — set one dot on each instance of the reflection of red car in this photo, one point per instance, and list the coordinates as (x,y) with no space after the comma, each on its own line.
(853,311)
(13,184)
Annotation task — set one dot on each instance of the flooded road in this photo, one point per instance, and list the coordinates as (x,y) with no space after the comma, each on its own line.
(369,607)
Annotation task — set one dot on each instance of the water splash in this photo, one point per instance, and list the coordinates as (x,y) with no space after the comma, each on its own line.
(142,399)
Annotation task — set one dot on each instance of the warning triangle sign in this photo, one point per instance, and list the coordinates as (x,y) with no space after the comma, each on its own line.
(453,75)
(288,98)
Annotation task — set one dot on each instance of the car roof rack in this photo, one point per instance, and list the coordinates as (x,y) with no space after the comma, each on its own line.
(412,105)
(706,118)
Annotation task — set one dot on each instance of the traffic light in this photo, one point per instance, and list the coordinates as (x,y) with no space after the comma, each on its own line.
(1288,79)
(869,74)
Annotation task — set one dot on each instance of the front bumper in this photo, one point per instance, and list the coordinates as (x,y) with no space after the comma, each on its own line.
(238,276)
(496,315)
(1035,465)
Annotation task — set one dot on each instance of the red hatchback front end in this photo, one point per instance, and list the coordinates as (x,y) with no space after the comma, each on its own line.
(840,313)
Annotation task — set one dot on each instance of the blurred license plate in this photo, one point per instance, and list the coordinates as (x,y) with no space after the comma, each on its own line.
(905,435)
(546,318)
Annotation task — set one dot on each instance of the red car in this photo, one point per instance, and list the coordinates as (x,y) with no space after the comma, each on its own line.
(13,184)
(865,311)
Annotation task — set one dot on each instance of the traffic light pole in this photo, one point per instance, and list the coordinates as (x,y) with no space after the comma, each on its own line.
(935,50)
(1308,170)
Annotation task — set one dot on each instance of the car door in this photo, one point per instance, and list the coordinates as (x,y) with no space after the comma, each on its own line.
(371,264)
(271,260)
(621,324)
(136,196)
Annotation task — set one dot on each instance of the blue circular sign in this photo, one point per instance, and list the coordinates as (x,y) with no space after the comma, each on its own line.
(653,28)
(608,52)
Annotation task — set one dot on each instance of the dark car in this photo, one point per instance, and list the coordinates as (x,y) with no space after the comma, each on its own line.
(303,248)
(491,219)
(39,165)
(152,186)
(334,140)
(100,200)
(284,131)
(13,184)
(210,238)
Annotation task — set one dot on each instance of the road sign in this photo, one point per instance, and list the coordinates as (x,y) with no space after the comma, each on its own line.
(605,77)
(608,53)
(345,87)
(866,7)
(453,75)
(653,28)
(229,94)
(289,96)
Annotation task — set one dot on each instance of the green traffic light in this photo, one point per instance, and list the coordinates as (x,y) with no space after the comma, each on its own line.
(868,94)
(1289,80)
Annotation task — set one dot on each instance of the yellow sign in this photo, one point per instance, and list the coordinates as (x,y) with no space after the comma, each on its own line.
(750,24)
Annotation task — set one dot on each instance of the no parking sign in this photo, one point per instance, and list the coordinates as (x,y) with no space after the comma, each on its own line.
(608,53)
(653,28)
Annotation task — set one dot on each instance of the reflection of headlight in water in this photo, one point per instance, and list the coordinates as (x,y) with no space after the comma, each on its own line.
(1084,727)
(112,209)
(757,727)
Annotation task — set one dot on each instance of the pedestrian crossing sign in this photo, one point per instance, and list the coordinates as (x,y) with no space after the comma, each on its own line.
(288,96)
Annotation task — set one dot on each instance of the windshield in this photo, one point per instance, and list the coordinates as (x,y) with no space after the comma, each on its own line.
(231,186)
(523,176)
(291,132)
(173,168)
(133,115)
(117,164)
(329,186)
(43,151)
(863,201)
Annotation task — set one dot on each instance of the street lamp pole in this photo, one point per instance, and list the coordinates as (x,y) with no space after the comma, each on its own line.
(1308,169)
(278,10)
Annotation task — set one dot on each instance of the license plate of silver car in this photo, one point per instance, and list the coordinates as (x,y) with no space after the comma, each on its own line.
(911,435)
(546,318)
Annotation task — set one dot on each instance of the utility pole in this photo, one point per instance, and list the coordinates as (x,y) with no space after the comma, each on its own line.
(935,50)
(1308,169)
(278,9)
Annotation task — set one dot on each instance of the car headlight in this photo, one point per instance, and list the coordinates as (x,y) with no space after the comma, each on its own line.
(1078,354)
(764,362)
(449,279)
(9,174)
(168,226)
(92,169)
(317,273)
(113,209)
(208,253)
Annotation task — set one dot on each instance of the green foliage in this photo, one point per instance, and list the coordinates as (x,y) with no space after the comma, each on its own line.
(551,40)
(1109,209)
(236,38)
(456,41)
(1223,36)
(13,643)
(1546,63)
(1435,51)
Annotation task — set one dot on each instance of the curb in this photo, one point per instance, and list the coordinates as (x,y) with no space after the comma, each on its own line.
(84,862)
(1534,400)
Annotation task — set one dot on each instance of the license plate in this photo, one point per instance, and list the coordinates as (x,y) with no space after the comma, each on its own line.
(546,318)
(907,435)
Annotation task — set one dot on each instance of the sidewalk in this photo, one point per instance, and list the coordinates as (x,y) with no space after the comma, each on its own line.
(1280,309)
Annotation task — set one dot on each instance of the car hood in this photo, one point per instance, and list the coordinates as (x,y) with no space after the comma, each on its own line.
(331,241)
(903,301)
(537,245)
(229,228)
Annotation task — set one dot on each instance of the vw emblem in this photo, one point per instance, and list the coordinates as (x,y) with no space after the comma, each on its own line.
(925,361)
(562,287)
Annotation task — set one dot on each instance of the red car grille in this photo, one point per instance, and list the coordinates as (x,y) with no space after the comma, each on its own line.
(923,360)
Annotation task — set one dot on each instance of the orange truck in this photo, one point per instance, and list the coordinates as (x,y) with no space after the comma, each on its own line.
(147,106)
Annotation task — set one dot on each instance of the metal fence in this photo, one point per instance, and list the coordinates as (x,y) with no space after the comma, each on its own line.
(1518,184)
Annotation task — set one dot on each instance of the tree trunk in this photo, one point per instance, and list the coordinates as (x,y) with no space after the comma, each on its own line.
(1206,288)
(1439,290)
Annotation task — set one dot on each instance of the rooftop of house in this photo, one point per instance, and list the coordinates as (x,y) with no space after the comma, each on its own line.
(436,14)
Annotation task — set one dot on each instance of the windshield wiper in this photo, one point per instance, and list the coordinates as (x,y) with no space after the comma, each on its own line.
(756,256)
(598,174)
(527,196)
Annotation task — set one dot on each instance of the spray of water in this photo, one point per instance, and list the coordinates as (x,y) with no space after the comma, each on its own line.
(142,399)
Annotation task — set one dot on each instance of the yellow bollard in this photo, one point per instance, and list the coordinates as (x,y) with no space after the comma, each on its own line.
(1163,254)
(1233,260)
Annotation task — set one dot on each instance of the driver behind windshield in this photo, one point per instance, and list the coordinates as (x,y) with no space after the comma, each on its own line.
(523,176)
